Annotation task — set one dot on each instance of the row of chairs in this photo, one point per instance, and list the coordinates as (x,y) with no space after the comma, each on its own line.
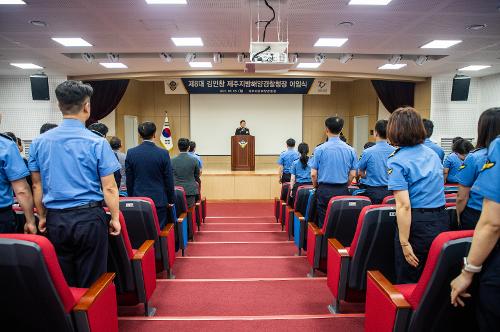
(356,243)
(35,283)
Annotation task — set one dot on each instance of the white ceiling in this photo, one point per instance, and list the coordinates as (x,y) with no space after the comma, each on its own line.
(132,26)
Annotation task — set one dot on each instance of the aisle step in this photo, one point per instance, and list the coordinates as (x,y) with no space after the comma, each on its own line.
(241,227)
(240,249)
(240,236)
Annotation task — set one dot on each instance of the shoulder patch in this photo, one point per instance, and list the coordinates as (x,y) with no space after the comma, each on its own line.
(394,153)
(389,171)
(487,165)
(461,167)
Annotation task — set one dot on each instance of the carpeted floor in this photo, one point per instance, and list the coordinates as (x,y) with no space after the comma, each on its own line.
(240,274)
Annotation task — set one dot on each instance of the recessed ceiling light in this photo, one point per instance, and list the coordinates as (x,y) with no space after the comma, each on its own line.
(330,42)
(474,67)
(441,43)
(72,42)
(190,41)
(38,23)
(370,2)
(166,2)
(393,66)
(476,27)
(26,65)
(200,64)
(113,65)
(308,65)
(12,2)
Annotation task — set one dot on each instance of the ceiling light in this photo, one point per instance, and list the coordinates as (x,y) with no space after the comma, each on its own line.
(330,42)
(190,57)
(320,58)
(26,65)
(113,65)
(474,67)
(166,57)
(370,2)
(308,65)
(393,66)
(394,59)
(88,57)
(12,2)
(217,57)
(194,41)
(421,60)
(200,64)
(166,2)
(476,27)
(72,42)
(441,43)
(344,58)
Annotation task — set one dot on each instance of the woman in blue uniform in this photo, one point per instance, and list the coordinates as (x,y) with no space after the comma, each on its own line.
(484,254)
(469,203)
(454,160)
(300,171)
(416,178)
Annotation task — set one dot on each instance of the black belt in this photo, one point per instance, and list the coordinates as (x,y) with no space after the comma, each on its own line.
(5,209)
(340,185)
(376,187)
(80,207)
(423,210)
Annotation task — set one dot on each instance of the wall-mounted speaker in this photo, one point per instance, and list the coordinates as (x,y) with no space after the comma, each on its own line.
(40,87)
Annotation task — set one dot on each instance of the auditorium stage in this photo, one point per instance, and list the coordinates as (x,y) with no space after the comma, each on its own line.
(220,183)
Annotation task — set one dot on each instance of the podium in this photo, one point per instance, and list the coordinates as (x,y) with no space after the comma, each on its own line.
(242,153)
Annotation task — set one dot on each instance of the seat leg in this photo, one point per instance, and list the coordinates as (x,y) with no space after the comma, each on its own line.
(171,274)
(182,250)
(300,251)
(149,311)
(311,273)
(334,308)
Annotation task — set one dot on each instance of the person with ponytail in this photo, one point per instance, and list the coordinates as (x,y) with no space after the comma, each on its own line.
(300,170)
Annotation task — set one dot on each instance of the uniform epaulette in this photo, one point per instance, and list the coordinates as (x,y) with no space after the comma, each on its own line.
(7,137)
(394,153)
(96,133)
(487,165)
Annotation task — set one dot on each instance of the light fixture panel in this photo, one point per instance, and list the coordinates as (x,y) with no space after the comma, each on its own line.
(330,42)
(370,2)
(189,41)
(166,2)
(308,65)
(113,65)
(441,43)
(72,42)
(200,64)
(390,66)
(26,65)
(475,67)
(12,2)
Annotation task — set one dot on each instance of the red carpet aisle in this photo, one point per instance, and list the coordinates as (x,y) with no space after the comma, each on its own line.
(241,275)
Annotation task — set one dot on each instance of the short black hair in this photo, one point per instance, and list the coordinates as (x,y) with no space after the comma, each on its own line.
(290,142)
(115,143)
(183,144)
(192,146)
(147,130)
(46,127)
(462,146)
(368,145)
(456,139)
(99,128)
(242,121)
(11,135)
(488,127)
(334,124)
(429,127)
(381,128)
(71,96)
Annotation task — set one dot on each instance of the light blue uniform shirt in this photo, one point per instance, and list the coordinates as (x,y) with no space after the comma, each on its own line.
(200,162)
(12,168)
(71,160)
(287,158)
(333,160)
(374,162)
(418,170)
(488,181)
(468,174)
(302,174)
(453,163)
(436,148)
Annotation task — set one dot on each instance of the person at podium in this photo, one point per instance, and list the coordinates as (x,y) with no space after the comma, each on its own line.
(242,130)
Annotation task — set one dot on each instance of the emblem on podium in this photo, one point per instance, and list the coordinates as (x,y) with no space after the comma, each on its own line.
(243,144)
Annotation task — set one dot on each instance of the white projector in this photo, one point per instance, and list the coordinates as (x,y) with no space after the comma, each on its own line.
(268,57)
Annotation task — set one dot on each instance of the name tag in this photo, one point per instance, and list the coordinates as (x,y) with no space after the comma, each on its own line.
(352,203)
(392,214)
(129,205)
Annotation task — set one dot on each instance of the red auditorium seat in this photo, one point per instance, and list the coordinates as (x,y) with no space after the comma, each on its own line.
(280,204)
(184,219)
(424,306)
(371,249)
(389,200)
(181,203)
(135,269)
(450,198)
(451,208)
(36,297)
(200,209)
(450,188)
(142,224)
(298,218)
(340,222)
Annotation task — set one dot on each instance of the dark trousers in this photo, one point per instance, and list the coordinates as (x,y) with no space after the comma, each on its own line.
(191,199)
(488,308)
(7,220)
(286,177)
(80,238)
(296,185)
(161,212)
(376,194)
(469,218)
(323,194)
(425,226)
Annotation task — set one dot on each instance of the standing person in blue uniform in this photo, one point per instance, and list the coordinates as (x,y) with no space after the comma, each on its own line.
(429,129)
(454,160)
(469,203)
(149,172)
(484,255)
(416,178)
(242,130)
(69,166)
(286,160)
(192,152)
(333,167)
(300,171)
(372,166)
(13,173)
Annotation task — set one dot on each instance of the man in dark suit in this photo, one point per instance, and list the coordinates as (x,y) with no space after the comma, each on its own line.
(186,171)
(149,172)
(242,130)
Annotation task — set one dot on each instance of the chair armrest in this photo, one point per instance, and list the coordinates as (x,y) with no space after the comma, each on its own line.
(182,217)
(143,249)
(337,269)
(92,294)
(299,216)
(338,247)
(166,230)
(315,229)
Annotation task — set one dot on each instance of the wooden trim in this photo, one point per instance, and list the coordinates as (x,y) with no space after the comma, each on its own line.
(94,292)
(166,230)
(315,229)
(181,217)
(389,290)
(300,216)
(139,254)
(341,250)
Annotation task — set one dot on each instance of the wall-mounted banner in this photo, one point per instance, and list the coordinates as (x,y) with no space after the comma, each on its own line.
(227,85)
